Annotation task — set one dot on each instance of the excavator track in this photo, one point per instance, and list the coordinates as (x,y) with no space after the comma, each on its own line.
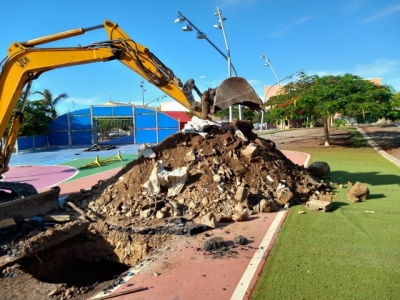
(29,205)
(15,190)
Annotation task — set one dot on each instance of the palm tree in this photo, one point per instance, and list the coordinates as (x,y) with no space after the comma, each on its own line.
(50,102)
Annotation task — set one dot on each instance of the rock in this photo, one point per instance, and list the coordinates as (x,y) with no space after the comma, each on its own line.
(359,192)
(217,178)
(209,220)
(204,201)
(160,214)
(250,151)
(146,213)
(284,196)
(268,206)
(240,240)
(241,193)
(239,207)
(319,168)
(268,144)
(189,158)
(240,216)
(215,243)
(193,205)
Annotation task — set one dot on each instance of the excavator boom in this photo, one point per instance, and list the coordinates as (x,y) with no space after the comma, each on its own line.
(26,62)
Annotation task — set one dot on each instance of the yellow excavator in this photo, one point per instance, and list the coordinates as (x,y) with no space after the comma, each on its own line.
(25,62)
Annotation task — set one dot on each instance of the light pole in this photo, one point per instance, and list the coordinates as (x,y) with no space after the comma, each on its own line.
(220,25)
(143,90)
(268,64)
(201,35)
(298,73)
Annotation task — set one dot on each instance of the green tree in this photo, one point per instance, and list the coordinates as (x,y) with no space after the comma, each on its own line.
(36,119)
(320,98)
(247,114)
(50,102)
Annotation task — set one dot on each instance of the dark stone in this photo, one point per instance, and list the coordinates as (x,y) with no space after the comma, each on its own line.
(241,240)
(214,244)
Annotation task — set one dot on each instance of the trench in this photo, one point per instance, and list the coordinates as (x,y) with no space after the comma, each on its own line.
(79,262)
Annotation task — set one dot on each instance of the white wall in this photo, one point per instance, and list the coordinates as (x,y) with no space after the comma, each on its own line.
(172,106)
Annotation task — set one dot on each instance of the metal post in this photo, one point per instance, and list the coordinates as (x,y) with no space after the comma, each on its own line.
(278,82)
(201,35)
(268,64)
(143,90)
(221,25)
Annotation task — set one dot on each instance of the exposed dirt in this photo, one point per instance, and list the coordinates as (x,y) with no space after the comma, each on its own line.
(228,179)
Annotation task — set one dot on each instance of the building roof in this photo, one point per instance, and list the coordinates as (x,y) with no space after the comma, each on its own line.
(178,115)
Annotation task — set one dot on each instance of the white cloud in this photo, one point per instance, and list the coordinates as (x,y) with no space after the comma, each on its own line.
(234,2)
(383,13)
(352,6)
(74,103)
(378,68)
(290,25)
(386,69)
(321,73)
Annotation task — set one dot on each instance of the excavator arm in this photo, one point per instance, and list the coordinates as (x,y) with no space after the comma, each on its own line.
(26,62)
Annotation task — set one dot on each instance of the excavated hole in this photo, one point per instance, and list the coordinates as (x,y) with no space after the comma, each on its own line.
(76,262)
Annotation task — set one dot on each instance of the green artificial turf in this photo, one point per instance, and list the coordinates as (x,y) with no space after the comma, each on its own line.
(94,169)
(352,252)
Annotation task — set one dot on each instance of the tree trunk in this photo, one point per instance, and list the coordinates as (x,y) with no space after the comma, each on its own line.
(326,131)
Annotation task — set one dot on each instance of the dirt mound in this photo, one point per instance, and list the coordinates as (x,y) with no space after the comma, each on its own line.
(230,173)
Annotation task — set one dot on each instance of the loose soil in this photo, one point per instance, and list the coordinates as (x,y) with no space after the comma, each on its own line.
(229,178)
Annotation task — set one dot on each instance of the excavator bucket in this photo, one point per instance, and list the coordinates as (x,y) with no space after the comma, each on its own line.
(29,205)
(235,91)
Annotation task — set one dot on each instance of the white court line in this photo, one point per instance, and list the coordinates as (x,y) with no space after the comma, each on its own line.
(251,269)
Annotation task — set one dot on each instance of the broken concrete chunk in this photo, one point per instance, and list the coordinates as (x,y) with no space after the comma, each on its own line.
(240,216)
(209,220)
(326,198)
(189,158)
(266,206)
(250,151)
(318,205)
(241,193)
(359,192)
(57,218)
(268,144)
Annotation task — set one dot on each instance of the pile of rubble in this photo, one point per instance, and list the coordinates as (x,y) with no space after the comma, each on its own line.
(190,182)
(186,184)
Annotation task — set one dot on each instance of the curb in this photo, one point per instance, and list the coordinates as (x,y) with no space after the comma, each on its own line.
(379,149)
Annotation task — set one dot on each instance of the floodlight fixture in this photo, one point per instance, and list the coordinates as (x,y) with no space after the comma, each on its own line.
(201,35)
(180,20)
(218,26)
(187,28)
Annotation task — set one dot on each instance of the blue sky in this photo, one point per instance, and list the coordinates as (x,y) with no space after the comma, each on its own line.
(360,37)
